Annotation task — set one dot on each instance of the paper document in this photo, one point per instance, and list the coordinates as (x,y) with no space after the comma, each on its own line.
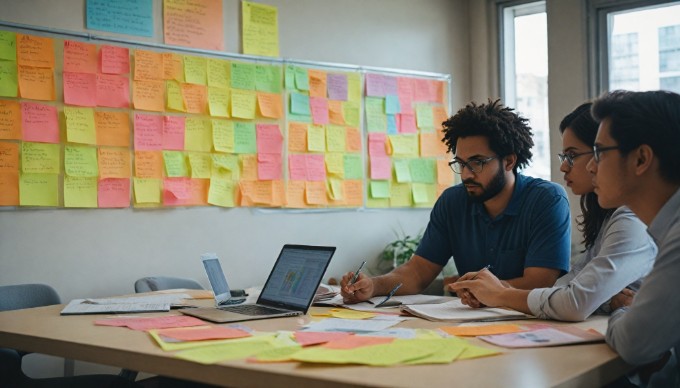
(164,298)
(79,306)
(396,301)
(456,311)
(350,325)
(544,337)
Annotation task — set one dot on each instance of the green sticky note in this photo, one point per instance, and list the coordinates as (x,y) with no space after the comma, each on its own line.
(9,84)
(228,351)
(218,102)
(80,191)
(354,168)
(80,126)
(424,116)
(301,78)
(316,138)
(245,138)
(299,118)
(380,189)
(336,138)
(40,158)
(289,77)
(80,161)
(423,170)
(242,76)
(218,73)
(195,70)
(403,170)
(173,96)
(376,122)
(420,193)
(374,105)
(175,164)
(223,135)
(199,163)
(147,190)
(404,145)
(39,190)
(299,104)
(198,135)
(8,46)
(221,192)
(351,112)
(268,78)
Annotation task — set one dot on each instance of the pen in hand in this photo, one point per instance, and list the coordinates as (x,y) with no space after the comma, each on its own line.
(488,268)
(356,274)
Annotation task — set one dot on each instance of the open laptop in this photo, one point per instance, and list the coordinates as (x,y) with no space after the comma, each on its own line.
(289,289)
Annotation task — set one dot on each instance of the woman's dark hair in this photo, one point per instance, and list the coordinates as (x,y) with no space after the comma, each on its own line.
(581,122)
(508,133)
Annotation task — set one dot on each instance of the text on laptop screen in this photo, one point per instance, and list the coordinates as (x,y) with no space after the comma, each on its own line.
(296,276)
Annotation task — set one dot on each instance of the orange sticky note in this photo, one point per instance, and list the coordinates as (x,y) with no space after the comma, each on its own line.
(149,95)
(200,333)
(439,116)
(315,193)
(148,164)
(80,57)
(473,331)
(195,23)
(9,157)
(80,89)
(317,83)
(431,145)
(353,141)
(270,105)
(10,120)
(36,83)
(335,112)
(114,162)
(35,51)
(113,193)
(147,65)
(195,98)
(248,167)
(357,341)
(297,137)
(173,67)
(444,173)
(354,191)
(295,195)
(9,188)
(113,128)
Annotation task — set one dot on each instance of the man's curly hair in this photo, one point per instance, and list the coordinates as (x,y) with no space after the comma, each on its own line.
(508,132)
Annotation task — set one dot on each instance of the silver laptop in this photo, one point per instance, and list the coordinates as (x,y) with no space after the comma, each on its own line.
(289,289)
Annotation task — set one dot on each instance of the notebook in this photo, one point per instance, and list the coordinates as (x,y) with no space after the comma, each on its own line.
(289,289)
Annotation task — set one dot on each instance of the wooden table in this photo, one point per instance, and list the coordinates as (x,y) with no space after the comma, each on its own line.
(43,330)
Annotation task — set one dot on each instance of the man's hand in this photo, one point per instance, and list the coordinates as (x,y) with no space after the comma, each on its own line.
(360,291)
(622,299)
(482,288)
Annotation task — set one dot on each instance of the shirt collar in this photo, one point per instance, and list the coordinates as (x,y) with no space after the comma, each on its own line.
(513,206)
(661,223)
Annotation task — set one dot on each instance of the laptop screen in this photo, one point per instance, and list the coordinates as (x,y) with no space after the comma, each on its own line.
(218,282)
(296,276)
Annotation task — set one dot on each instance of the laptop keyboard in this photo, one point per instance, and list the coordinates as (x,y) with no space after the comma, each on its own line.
(252,309)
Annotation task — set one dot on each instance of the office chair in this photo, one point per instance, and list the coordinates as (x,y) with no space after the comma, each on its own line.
(23,296)
(157,283)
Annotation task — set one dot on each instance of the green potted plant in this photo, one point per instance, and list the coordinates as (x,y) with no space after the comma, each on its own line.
(399,251)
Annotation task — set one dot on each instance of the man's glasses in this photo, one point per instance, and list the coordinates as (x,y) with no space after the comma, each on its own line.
(571,156)
(474,165)
(597,150)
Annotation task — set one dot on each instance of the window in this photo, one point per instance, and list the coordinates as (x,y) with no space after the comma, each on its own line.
(524,74)
(640,46)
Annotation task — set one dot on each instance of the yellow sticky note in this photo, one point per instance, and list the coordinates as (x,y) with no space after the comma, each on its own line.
(175,164)
(336,138)
(243,104)
(400,195)
(195,70)
(218,73)
(402,170)
(223,135)
(200,164)
(351,112)
(221,192)
(443,355)
(80,161)
(40,158)
(380,189)
(147,190)
(353,88)
(80,125)
(218,102)
(228,351)
(336,190)
(472,351)
(335,164)
(225,166)
(422,193)
(260,29)
(316,138)
(80,191)
(351,314)
(39,190)
(174,100)
(404,145)
(198,135)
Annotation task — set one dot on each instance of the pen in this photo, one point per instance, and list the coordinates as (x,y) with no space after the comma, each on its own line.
(488,268)
(389,295)
(356,274)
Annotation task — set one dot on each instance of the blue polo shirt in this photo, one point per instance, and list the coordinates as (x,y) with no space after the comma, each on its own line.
(533,230)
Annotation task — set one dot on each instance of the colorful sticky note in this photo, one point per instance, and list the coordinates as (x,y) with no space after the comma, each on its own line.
(113,91)
(36,83)
(114,162)
(392,105)
(198,135)
(80,191)
(218,73)
(35,51)
(242,76)
(8,46)
(245,138)
(221,192)
(297,167)
(148,132)
(131,18)
(353,140)
(114,60)
(316,138)
(80,57)
(195,70)
(315,193)
(444,173)
(424,116)
(270,105)
(80,125)
(80,89)
(319,108)
(260,29)
(402,170)
(400,195)
(336,113)
(80,161)
(316,167)
(423,170)
(431,145)
(148,164)
(223,135)
(149,95)
(407,123)
(194,24)
(218,102)
(173,132)
(335,164)
(195,98)
(299,104)
(381,167)
(9,157)
(40,122)
(40,158)
(375,85)
(376,144)
(9,188)
(337,87)
(147,64)
(147,190)
(421,193)
(9,79)
(200,164)
(404,145)
(173,67)
(353,166)
(38,190)
(175,164)
(268,78)
(297,137)
(336,138)
(243,104)
(113,193)
(269,139)
(174,100)
(113,128)
(269,166)
(380,189)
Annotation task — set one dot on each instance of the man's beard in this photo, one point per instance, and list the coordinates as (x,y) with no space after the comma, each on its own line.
(493,188)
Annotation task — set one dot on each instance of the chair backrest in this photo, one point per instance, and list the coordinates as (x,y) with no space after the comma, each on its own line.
(23,296)
(156,283)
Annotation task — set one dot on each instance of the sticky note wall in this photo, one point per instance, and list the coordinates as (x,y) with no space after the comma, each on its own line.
(89,125)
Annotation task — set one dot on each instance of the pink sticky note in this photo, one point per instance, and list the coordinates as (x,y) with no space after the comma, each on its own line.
(113,91)
(297,167)
(269,139)
(80,57)
(391,86)
(405,94)
(307,338)
(357,341)
(319,108)
(80,89)
(173,132)
(337,86)
(381,167)
(115,60)
(269,166)
(316,168)
(407,123)
(376,144)
(148,132)
(40,122)
(425,90)
(163,322)
(375,85)
(176,191)
(203,333)
(113,192)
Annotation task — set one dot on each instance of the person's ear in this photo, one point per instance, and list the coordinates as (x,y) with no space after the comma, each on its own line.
(643,157)
(509,162)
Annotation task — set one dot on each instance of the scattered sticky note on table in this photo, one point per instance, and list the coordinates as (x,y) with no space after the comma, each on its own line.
(200,333)
(473,331)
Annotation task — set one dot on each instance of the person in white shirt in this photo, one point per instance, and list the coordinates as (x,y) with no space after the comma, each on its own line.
(618,250)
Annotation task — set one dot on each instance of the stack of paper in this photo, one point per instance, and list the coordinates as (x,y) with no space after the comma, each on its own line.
(325,293)
(553,336)
(135,304)
(456,311)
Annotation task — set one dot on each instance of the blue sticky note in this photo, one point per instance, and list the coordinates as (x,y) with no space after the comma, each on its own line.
(392,105)
(392,125)
(299,104)
(129,17)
